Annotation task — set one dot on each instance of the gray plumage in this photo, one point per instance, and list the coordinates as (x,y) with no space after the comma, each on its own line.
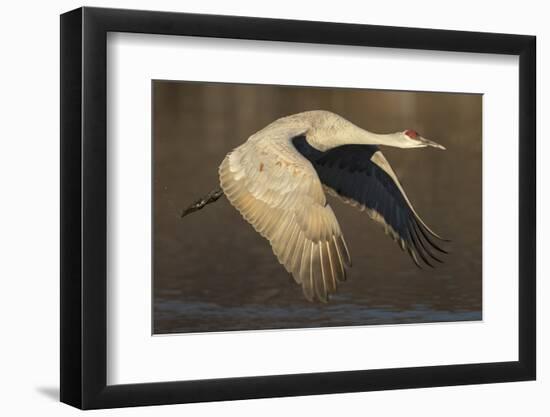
(278,185)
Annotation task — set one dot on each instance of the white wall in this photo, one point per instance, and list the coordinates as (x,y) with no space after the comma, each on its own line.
(29,175)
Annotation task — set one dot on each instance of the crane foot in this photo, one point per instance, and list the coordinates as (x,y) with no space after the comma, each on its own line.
(211,197)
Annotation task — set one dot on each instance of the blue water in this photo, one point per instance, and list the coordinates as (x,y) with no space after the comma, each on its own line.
(193,316)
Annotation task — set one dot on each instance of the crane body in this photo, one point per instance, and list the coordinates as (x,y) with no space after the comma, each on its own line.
(278,180)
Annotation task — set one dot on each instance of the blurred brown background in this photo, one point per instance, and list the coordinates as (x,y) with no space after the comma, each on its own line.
(213,272)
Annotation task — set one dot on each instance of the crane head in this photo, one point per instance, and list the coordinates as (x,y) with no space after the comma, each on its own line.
(411,139)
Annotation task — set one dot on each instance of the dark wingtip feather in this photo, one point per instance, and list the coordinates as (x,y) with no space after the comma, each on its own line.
(446,252)
(430,241)
(413,257)
(414,241)
(419,238)
(444,240)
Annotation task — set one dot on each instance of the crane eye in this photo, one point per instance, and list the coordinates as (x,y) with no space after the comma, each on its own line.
(413,134)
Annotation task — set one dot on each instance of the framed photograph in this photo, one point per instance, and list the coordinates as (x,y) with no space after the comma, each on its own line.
(258,208)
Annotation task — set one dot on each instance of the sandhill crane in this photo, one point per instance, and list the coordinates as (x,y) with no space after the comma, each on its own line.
(277,180)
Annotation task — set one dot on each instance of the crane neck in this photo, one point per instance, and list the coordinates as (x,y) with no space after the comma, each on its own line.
(364,137)
(350,134)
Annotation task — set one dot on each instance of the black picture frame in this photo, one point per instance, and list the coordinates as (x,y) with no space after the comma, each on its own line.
(84,207)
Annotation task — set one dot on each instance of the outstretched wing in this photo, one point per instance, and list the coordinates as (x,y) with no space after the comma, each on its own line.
(279,193)
(361,176)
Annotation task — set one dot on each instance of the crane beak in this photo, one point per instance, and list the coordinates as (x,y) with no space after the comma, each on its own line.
(433,144)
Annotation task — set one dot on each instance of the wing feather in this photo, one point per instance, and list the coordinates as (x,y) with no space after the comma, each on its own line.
(279,193)
(361,176)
